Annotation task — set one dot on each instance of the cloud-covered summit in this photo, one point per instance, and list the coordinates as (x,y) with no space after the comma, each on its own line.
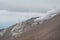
(8,17)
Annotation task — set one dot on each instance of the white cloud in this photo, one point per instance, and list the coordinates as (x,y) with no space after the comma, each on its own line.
(16,16)
(8,18)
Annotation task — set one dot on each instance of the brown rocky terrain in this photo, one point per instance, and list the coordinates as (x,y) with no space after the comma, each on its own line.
(49,30)
(33,30)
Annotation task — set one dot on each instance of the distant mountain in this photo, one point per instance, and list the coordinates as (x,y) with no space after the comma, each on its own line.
(31,19)
(35,28)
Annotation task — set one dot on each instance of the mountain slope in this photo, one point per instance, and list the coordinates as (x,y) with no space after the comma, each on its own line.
(35,28)
(49,30)
(17,29)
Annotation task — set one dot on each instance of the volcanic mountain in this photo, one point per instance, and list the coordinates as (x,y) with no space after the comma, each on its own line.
(35,28)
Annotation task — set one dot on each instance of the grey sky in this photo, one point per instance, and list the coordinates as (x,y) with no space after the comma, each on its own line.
(29,5)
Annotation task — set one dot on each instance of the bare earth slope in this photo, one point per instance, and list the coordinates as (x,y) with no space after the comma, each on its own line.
(47,29)
(50,30)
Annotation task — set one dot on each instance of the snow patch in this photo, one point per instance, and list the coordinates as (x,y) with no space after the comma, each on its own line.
(16,30)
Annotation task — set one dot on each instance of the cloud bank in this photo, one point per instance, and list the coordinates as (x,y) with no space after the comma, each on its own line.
(8,18)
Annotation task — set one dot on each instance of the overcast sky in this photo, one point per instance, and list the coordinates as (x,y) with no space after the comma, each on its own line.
(29,5)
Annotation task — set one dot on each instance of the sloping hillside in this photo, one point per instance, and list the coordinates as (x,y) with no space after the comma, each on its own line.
(35,28)
(50,30)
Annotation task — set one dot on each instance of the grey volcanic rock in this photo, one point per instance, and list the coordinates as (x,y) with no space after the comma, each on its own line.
(2,32)
(31,19)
